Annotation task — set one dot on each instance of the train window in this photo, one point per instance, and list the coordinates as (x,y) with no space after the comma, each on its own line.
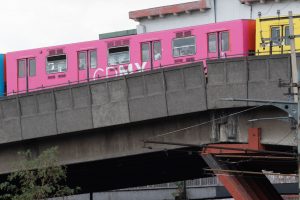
(287,40)
(32,67)
(225,41)
(118,55)
(275,35)
(57,63)
(157,50)
(21,68)
(145,52)
(93,58)
(184,46)
(82,60)
(212,42)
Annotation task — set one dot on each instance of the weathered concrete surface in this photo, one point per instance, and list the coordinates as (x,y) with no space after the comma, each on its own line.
(127,140)
(110,118)
(143,96)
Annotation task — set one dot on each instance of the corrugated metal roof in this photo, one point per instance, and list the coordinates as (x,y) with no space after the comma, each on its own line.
(200,5)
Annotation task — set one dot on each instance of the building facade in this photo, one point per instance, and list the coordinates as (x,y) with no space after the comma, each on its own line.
(209,11)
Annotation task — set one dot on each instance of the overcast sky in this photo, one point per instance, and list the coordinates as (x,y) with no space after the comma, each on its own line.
(26,24)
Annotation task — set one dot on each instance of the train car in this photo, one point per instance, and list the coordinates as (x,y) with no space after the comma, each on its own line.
(2,75)
(41,68)
(272,35)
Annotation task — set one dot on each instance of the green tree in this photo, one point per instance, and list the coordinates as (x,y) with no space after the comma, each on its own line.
(37,178)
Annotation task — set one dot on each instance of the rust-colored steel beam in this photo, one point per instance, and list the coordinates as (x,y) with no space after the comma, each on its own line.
(241,186)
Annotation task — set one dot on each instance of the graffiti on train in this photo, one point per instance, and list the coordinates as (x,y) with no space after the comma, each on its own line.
(119,70)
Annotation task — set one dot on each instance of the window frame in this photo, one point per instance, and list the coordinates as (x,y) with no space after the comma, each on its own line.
(89,58)
(108,54)
(24,68)
(29,67)
(153,47)
(192,36)
(287,27)
(216,41)
(221,45)
(271,35)
(142,56)
(57,72)
(184,46)
(78,60)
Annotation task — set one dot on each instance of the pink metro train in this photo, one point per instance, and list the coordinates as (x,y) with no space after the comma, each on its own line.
(41,68)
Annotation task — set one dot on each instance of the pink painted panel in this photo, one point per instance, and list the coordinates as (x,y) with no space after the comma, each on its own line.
(241,37)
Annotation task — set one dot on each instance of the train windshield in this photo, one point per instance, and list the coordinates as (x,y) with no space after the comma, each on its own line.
(118,55)
(57,63)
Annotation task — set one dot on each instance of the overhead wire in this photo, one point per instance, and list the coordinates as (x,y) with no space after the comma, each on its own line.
(204,123)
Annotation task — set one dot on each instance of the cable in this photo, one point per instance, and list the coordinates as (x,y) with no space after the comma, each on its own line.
(204,123)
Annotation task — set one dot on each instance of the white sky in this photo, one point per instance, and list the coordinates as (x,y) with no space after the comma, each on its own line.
(26,24)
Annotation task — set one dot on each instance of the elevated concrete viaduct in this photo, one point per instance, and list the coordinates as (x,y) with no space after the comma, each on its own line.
(99,126)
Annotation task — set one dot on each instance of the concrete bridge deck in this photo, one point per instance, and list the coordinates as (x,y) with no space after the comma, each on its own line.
(108,119)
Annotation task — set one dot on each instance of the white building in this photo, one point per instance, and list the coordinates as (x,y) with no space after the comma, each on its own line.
(209,11)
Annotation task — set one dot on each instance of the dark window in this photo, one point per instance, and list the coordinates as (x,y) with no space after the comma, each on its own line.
(145,52)
(212,42)
(287,40)
(225,41)
(93,59)
(56,64)
(184,46)
(32,67)
(275,35)
(21,68)
(118,55)
(157,50)
(82,60)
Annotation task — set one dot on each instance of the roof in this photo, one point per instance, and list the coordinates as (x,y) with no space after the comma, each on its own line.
(117,34)
(255,1)
(200,5)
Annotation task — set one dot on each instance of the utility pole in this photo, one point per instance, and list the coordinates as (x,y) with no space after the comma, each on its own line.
(296,90)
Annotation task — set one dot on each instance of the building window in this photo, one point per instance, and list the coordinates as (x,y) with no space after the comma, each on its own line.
(212,42)
(82,58)
(32,67)
(184,46)
(56,64)
(275,35)
(225,41)
(21,68)
(287,40)
(157,50)
(145,52)
(118,55)
(93,59)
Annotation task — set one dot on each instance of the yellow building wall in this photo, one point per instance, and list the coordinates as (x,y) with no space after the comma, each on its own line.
(263,31)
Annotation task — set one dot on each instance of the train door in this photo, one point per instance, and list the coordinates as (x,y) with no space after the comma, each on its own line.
(151,54)
(87,63)
(26,74)
(218,44)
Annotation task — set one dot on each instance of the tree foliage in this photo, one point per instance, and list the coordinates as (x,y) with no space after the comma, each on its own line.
(37,178)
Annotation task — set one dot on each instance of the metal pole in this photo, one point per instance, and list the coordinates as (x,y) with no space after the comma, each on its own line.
(295,73)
